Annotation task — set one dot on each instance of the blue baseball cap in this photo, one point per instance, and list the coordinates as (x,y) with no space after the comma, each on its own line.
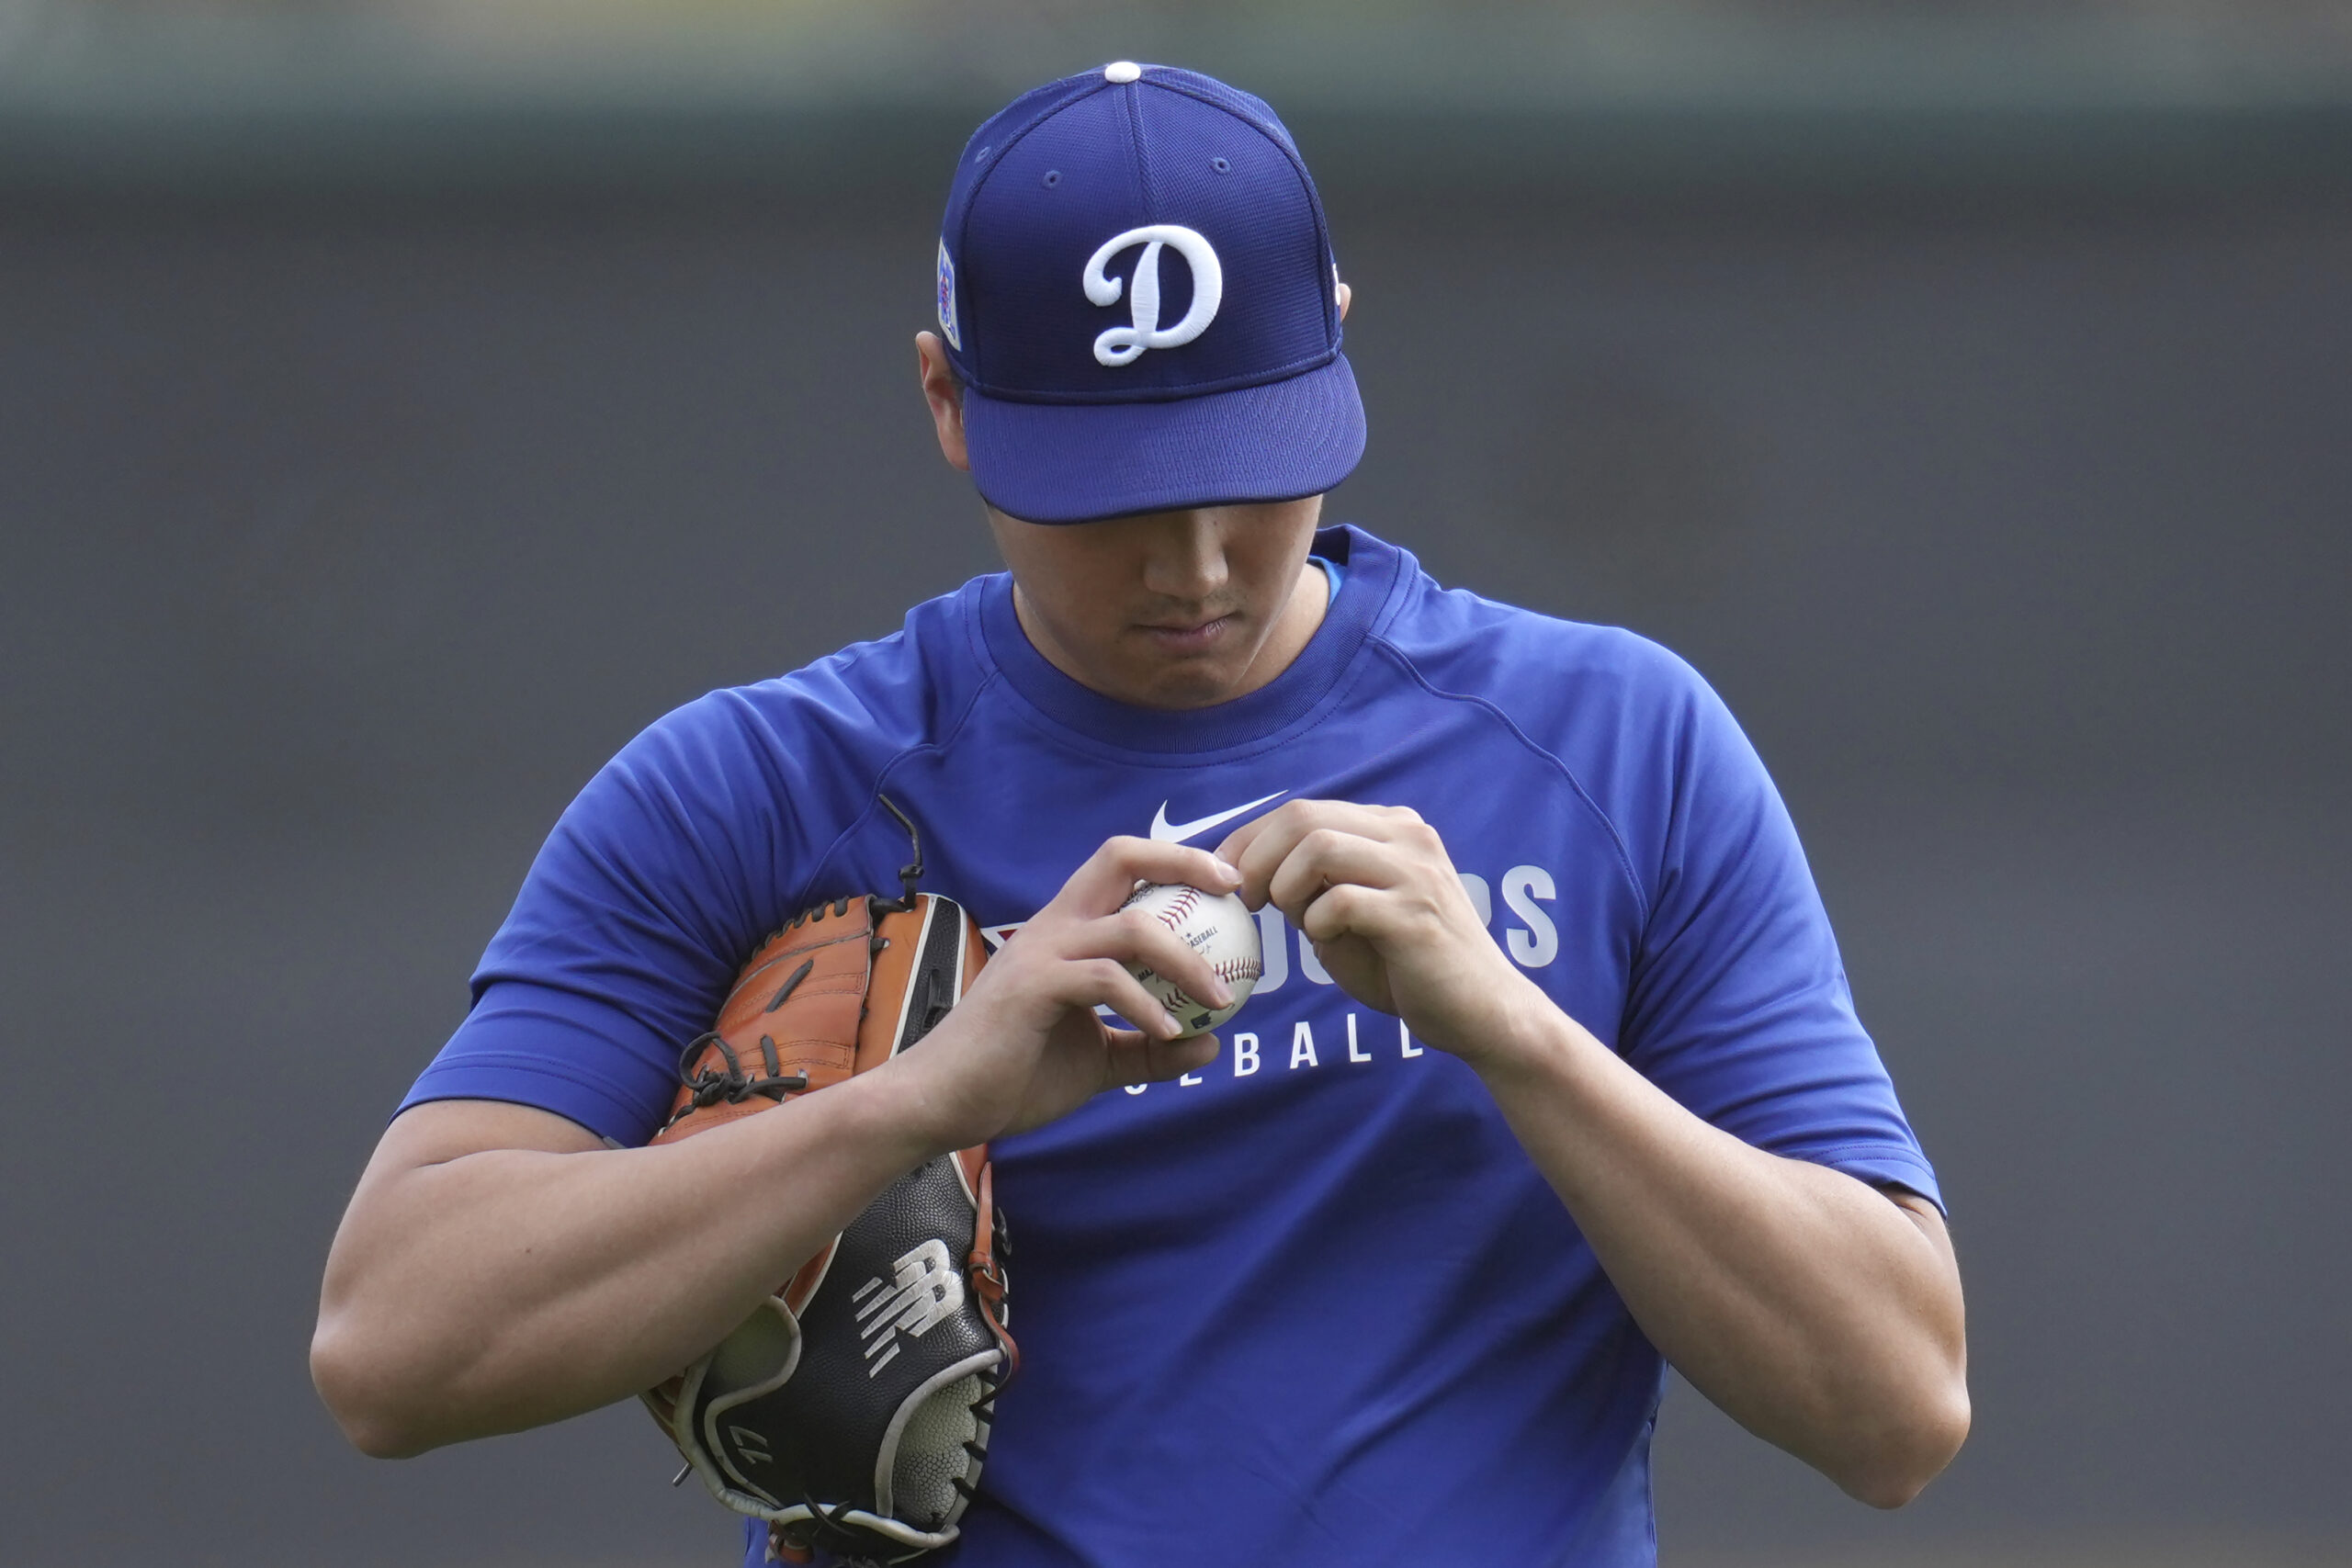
(1136,285)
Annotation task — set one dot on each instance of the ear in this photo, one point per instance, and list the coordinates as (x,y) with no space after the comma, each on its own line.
(945,393)
(1343,294)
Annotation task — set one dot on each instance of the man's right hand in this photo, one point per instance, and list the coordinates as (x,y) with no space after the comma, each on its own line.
(1025,1046)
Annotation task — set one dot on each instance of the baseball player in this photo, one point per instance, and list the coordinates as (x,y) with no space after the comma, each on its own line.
(1553,1075)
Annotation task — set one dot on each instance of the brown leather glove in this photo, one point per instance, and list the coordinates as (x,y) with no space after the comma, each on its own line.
(852,1409)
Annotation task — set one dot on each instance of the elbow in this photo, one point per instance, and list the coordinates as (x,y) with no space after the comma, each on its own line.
(356,1393)
(1896,1466)
(381,1441)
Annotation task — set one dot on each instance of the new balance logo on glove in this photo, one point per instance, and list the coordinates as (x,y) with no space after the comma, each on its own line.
(927,1288)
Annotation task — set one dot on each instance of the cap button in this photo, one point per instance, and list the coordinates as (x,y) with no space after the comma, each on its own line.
(1122,71)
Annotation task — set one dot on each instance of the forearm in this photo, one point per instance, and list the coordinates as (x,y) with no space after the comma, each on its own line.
(1820,1314)
(1816,1312)
(506,1288)
(498,1268)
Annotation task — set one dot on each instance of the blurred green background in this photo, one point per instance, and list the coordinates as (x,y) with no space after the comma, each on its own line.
(255,91)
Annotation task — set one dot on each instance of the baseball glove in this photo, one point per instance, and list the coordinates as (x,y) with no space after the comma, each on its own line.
(852,1409)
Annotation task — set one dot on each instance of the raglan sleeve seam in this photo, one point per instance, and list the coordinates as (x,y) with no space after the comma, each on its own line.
(882,779)
(1412,672)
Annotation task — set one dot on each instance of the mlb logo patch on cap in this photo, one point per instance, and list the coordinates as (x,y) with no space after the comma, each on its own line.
(947,299)
(1136,285)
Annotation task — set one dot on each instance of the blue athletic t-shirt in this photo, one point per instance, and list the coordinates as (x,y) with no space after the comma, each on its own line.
(1312,1305)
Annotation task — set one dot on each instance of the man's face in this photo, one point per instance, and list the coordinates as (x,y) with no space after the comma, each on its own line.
(1169,609)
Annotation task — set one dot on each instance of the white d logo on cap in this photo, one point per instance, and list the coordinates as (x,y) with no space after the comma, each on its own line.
(1124,346)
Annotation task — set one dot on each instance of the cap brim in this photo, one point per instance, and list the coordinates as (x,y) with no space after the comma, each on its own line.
(1081,462)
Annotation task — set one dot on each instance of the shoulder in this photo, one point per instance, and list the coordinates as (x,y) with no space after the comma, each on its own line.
(850,708)
(1567,685)
(1635,732)
(770,770)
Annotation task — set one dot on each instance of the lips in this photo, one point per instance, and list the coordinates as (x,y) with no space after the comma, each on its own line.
(1189,635)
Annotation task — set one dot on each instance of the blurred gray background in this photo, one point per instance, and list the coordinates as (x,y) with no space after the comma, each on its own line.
(401,404)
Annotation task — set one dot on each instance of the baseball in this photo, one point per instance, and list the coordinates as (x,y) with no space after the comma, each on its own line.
(1218,926)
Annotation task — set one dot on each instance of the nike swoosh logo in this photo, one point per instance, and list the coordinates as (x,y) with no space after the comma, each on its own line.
(1166,832)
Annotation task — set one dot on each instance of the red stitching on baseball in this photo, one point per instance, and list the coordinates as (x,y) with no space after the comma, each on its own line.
(1177,909)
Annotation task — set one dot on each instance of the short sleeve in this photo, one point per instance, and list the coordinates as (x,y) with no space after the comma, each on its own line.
(654,884)
(1739,1006)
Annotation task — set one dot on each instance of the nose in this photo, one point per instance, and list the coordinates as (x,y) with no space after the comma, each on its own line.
(1186,556)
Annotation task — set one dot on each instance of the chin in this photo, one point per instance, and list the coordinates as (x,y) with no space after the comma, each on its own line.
(1186,688)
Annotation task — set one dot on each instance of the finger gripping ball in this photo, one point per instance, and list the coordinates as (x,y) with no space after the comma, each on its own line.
(1218,926)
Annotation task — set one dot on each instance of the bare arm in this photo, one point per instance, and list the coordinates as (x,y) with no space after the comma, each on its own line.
(1818,1313)
(499,1268)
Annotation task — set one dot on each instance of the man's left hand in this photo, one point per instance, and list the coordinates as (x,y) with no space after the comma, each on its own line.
(1375,892)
